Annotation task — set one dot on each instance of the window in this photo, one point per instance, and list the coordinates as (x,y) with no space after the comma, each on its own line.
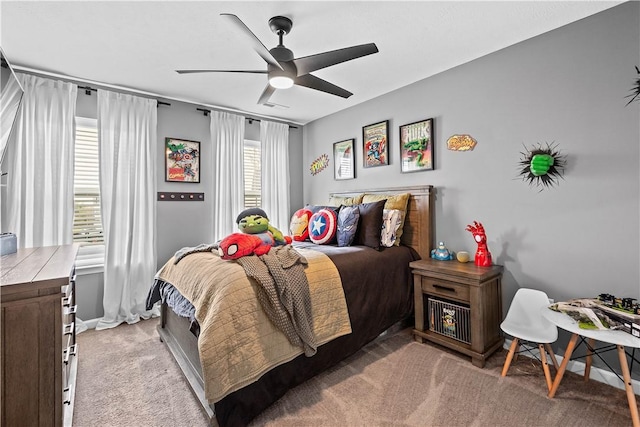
(252,177)
(87,221)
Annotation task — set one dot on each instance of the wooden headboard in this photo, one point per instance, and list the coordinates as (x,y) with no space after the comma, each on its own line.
(419,230)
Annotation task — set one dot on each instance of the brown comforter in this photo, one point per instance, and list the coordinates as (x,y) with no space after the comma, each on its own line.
(378,287)
(225,301)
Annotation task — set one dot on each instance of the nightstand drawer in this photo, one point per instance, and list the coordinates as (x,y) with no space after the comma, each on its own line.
(445,289)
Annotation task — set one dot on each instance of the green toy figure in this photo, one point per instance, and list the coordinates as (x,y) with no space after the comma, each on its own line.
(255,221)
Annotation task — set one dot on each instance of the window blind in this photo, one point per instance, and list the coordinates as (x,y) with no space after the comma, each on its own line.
(87,224)
(87,221)
(252,179)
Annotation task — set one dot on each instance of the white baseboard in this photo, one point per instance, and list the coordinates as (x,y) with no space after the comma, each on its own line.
(596,374)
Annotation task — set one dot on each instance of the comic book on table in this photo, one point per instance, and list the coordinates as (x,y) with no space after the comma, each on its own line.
(603,312)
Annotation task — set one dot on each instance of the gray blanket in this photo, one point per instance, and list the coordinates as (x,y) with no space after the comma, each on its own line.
(284,293)
(203,247)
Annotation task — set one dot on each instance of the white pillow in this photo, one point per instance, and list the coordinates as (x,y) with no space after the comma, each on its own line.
(391,220)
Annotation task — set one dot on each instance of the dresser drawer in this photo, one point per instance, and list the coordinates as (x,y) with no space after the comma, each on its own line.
(68,298)
(68,339)
(68,359)
(445,289)
(69,314)
(69,329)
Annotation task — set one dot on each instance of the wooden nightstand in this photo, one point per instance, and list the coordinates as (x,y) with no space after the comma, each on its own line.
(458,305)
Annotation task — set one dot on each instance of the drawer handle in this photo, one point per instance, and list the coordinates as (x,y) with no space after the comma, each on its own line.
(68,328)
(66,396)
(70,310)
(68,352)
(445,288)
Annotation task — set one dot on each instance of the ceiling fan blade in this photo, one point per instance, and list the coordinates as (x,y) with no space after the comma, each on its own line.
(221,71)
(308,64)
(255,42)
(266,94)
(317,83)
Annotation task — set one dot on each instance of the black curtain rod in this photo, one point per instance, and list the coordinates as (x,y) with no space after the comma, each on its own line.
(88,90)
(251,119)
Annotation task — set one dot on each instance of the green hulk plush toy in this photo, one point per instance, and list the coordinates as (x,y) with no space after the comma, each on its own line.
(255,221)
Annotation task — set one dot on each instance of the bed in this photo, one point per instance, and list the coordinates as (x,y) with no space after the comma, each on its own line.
(371,314)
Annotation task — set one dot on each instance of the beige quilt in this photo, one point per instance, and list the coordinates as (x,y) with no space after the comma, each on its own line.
(237,342)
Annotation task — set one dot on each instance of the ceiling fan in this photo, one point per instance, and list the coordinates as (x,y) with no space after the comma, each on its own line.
(283,70)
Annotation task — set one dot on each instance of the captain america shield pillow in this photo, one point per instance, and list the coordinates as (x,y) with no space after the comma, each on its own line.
(322,226)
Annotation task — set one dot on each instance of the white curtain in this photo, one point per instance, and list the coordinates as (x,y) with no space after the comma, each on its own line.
(227,136)
(274,139)
(10,97)
(127,128)
(40,162)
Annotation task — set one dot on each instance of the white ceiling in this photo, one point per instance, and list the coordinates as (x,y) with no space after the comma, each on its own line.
(139,44)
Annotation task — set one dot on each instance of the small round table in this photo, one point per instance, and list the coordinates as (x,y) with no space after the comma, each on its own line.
(619,339)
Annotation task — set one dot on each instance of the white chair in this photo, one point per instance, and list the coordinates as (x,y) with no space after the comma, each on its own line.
(524,322)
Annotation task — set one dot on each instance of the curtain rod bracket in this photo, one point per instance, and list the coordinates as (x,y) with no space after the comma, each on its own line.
(87,89)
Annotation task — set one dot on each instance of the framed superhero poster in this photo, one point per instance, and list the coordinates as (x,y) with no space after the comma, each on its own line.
(416,146)
(375,147)
(343,160)
(182,160)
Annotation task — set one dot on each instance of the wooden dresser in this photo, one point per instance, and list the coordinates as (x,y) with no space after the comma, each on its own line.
(458,306)
(39,362)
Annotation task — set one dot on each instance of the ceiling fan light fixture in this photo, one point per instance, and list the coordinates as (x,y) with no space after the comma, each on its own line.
(283,69)
(281,82)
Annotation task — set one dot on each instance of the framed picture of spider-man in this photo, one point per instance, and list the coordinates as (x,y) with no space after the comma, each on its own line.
(375,147)
(416,146)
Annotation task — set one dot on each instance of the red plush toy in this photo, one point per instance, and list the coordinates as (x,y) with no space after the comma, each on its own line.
(237,245)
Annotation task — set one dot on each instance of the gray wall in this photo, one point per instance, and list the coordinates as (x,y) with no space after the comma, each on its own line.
(568,87)
(181,224)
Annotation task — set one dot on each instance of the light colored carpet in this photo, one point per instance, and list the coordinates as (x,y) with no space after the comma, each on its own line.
(127,378)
